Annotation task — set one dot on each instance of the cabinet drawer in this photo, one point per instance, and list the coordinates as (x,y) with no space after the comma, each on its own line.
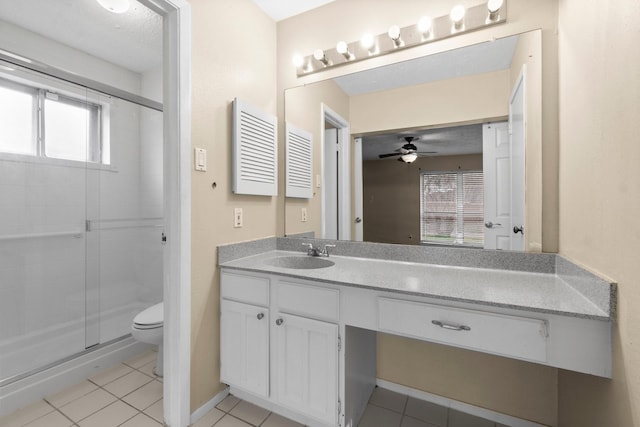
(518,337)
(313,301)
(242,288)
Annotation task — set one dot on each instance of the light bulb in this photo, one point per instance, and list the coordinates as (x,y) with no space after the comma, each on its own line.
(343,49)
(297,60)
(367,41)
(494,5)
(424,24)
(115,6)
(409,157)
(457,14)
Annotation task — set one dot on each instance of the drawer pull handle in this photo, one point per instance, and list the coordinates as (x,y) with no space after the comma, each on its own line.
(279,322)
(260,316)
(451,327)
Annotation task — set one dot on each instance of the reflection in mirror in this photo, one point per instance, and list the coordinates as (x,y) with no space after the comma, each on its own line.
(429,152)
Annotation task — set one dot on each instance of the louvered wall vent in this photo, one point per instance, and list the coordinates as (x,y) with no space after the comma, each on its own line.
(299,162)
(255,151)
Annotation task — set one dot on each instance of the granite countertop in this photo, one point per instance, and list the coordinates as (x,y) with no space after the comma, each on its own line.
(521,290)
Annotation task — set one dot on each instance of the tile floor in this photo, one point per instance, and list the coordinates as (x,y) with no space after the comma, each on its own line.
(130,395)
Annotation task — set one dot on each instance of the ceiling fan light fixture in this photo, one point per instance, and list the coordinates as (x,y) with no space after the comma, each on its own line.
(409,157)
(115,6)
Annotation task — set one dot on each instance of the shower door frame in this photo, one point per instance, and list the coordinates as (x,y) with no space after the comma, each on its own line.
(177,207)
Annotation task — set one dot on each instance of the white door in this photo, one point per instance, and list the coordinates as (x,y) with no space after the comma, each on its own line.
(517,122)
(357,189)
(306,364)
(496,166)
(330,185)
(244,347)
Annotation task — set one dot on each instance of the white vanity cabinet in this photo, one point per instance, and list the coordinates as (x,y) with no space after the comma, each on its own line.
(280,342)
(244,333)
(306,366)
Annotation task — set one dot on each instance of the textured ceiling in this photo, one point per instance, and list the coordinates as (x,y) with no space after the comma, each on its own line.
(132,39)
(475,59)
(283,9)
(451,141)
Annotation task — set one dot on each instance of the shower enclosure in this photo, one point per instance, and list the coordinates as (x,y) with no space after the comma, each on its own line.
(81,206)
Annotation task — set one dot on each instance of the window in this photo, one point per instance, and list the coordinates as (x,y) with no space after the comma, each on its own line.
(452,208)
(38,122)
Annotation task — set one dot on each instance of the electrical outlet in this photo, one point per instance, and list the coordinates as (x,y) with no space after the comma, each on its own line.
(304,215)
(237,217)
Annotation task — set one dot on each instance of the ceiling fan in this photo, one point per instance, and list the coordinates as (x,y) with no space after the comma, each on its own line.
(408,152)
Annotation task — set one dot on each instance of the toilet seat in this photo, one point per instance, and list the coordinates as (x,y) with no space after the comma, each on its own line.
(151,318)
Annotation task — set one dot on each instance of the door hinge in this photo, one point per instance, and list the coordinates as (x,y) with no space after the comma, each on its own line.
(339,342)
(164,238)
(339,408)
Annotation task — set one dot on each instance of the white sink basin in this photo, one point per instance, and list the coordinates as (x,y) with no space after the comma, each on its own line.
(300,262)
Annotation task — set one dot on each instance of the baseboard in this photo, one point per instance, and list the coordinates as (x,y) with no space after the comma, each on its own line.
(488,414)
(204,409)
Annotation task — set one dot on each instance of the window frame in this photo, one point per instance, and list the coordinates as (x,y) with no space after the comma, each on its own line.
(459,214)
(99,154)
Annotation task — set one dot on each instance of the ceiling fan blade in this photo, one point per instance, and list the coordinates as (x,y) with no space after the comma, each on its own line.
(382,156)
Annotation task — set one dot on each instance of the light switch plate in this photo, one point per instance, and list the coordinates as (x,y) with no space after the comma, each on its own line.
(237,217)
(200,159)
(304,215)
(318,181)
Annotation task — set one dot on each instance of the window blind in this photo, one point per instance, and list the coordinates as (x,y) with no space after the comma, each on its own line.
(452,208)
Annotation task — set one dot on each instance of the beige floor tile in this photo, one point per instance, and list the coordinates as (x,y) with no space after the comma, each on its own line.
(375,416)
(229,421)
(26,414)
(427,412)
(149,369)
(128,383)
(145,396)
(228,403)
(250,413)
(141,420)
(388,399)
(111,374)
(275,420)
(111,416)
(142,359)
(71,394)
(155,411)
(87,405)
(210,418)
(52,419)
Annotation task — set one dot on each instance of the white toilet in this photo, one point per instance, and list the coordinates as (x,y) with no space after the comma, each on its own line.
(148,327)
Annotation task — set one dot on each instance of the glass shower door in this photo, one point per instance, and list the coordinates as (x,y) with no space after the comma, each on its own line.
(43,199)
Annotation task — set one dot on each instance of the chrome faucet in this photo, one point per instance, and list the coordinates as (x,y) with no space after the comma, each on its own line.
(316,251)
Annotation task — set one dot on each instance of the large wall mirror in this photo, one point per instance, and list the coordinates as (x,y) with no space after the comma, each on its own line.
(439,150)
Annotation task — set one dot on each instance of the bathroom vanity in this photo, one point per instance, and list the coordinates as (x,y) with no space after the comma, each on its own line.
(298,333)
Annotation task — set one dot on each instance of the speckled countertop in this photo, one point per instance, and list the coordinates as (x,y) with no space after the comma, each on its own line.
(522,290)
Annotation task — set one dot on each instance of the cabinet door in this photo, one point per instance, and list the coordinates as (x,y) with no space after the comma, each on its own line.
(306,365)
(244,347)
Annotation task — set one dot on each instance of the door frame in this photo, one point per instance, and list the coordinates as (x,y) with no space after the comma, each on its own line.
(344,170)
(520,85)
(177,208)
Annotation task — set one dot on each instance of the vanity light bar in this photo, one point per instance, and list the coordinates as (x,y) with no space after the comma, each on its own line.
(474,18)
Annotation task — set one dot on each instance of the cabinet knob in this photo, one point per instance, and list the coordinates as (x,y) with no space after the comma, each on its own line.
(279,322)
(260,316)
